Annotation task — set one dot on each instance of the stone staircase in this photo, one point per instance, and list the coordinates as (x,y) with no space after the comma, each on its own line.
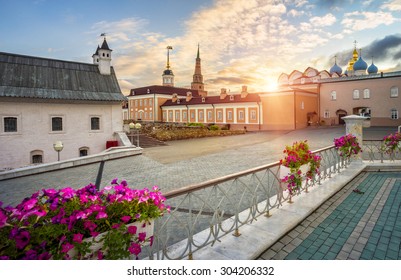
(145,141)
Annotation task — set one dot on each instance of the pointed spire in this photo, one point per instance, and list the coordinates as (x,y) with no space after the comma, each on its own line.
(105,46)
(197,56)
(168,56)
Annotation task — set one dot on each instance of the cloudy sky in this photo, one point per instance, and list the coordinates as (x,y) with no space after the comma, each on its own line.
(242,42)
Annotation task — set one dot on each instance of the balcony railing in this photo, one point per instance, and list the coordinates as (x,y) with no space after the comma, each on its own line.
(374,150)
(221,206)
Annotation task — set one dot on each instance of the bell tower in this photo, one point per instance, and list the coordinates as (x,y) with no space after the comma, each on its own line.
(168,76)
(102,57)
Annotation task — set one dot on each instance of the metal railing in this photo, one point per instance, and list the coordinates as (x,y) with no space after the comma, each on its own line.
(203,213)
(375,150)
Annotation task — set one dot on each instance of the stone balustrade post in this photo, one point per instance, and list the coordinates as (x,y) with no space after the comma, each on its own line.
(354,125)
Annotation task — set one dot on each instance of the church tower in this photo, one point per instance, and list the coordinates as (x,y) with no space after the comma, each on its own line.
(168,76)
(197,82)
(102,58)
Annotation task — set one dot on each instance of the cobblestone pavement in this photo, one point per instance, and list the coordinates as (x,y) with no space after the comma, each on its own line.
(180,163)
(362,221)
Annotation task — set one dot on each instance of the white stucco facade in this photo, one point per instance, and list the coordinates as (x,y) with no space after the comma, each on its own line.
(34,133)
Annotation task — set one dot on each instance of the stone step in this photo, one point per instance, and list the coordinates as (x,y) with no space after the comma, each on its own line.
(145,141)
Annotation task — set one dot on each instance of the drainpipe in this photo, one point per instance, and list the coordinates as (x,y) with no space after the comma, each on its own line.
(214,113)
(259,116)
(187,113)
(295,111)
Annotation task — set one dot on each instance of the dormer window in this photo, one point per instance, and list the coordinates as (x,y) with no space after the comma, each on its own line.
(178,101)
(231,97)
(203,99)
(148,91)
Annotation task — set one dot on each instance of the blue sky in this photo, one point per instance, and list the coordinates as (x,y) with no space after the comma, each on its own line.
(242,42)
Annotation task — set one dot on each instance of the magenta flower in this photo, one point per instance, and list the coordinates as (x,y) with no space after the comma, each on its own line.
(66,247)
(135,249)
(142,236)
(125,219)
(100,255)
(3,219)
(114,181)
(132,230)
(22,239)
(101,215)
(78,238)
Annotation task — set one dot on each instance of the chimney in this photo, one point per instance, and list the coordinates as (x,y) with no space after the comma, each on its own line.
(189,96)
(223,93)
(174,97)
(244,92)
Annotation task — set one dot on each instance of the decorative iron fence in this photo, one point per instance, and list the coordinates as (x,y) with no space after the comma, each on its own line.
(202,213)
(375,150)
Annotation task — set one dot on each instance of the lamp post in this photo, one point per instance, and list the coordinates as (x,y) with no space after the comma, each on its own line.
(131,127)
(137,127)
(58,147)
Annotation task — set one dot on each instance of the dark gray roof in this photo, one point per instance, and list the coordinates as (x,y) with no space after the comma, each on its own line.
(34,77)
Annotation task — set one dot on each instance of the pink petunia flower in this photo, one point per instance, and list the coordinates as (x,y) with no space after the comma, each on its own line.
(135,249)
(78,238)
(132,230)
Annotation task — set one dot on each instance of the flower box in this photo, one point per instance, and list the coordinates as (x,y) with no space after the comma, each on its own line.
(143,231)
(70,223)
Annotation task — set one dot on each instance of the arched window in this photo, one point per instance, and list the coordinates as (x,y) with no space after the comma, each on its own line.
(366,93)
(36,156)
(83,151)
(355,94)
(333,95)
(394,92)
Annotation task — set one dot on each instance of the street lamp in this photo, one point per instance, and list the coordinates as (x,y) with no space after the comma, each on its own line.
(137,128)
(58,147)
(131,127)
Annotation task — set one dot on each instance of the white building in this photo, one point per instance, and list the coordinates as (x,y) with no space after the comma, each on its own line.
(46,100)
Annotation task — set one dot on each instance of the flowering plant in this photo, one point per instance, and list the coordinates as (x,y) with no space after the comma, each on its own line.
(392,142)
(347,145)
(64,224)
(297,155)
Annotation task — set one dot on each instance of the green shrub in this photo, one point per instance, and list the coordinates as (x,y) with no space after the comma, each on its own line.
(196,124)
(214,127)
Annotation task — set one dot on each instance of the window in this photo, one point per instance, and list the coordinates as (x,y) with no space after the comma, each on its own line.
(164,115)
(146,102)
(177,116)
(326,114)
(151,115)
(253,115)
(146,115)
(170,116)
(83,152)
(333,95)
(302,105)
(150,102)
(36,157)
(241,115)
(192,115)
(231,97)
(366,93)
(209,115)
(201,115)
(136,103)
(394,114)
(355,94)
(394,92)
(184,115)
(229,115)
(220,115)
(10,124)
(140,102)
(95,123)
(57,124)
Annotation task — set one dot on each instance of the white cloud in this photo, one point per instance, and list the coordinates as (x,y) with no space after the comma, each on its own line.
(394,5)
(326,20)
(366,20)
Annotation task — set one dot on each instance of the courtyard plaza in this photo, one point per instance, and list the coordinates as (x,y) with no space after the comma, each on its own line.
(186,162)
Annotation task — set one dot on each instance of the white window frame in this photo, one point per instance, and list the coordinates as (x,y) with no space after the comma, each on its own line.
(241,115)
(394,92)
(90,123)
(355,94)
(333,95)
(366,93)
(209,115)
(230,116)
(394,114)
(220,115)
(253,114)
(63,121)
(2,126)
(326,114)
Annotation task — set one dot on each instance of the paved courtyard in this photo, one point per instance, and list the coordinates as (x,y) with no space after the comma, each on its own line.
(180,163)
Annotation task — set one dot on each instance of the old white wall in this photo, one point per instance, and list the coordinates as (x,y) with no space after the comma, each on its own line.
(34,130)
